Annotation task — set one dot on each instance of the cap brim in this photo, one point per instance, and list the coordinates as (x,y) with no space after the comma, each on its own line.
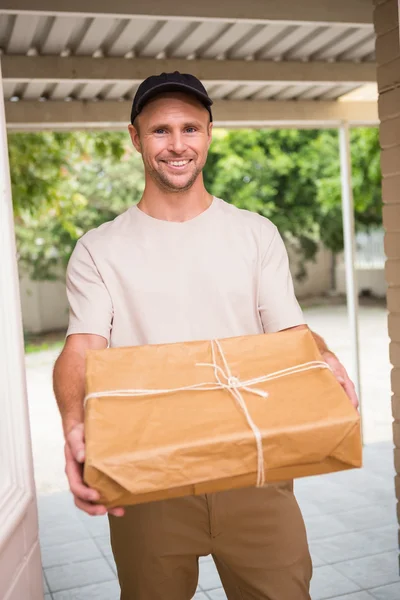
(173,87)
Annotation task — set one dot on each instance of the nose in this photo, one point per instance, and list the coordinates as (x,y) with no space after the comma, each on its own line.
(177,143)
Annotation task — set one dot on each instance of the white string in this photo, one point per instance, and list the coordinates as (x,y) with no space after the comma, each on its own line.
(233,385)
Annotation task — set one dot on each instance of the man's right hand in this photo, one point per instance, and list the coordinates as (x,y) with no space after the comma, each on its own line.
(85,497)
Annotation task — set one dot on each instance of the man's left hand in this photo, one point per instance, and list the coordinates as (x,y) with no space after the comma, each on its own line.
(341,375)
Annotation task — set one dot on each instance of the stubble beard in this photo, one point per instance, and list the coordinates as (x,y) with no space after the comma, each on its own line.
(165,183)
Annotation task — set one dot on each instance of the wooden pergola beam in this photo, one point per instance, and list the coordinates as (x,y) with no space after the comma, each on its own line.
(357,12)
(57,115)
(86,69)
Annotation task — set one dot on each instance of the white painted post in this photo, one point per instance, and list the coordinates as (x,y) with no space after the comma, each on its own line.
(349,252)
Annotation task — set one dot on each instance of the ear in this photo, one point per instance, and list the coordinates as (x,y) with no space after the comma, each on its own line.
(134,133)
(209,132)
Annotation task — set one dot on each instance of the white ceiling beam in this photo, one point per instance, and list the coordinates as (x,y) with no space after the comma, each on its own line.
(22,33)
(357,12)
(84,69)
(28,115)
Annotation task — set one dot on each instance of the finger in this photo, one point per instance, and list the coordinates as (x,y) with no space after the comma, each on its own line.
(117,512)
(76,442)
(351,392)
(73,470)
(90,509)
(79,489)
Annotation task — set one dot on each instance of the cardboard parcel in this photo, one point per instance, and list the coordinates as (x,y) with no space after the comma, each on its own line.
(170,420)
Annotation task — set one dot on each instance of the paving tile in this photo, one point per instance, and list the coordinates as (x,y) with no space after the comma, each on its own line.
(101,591)
(343,500)
(218,594)
(73,552)
(208,558)
(47,597)
(368,517)
(374,486)
(199,596)
(45,586)
(111,562)
(208,576)
(356,596)
(68,531)
(50,519)
(104,544)
(55,510)
(323,526)
(313,489)
(97,526)
(80,574)
(387,592)
(372,571)
(330,497)
(328,583)
(355,544)
(308,508)
(55,504)
(317,561)
(378,458)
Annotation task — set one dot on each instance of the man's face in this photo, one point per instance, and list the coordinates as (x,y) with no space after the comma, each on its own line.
(173,137)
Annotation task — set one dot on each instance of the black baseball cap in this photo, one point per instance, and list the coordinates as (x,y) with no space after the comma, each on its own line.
(169,82)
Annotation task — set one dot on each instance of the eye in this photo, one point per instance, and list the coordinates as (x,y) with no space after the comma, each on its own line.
(191,129)
(160,130)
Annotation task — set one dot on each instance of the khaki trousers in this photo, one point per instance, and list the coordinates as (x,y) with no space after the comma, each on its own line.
(256,537)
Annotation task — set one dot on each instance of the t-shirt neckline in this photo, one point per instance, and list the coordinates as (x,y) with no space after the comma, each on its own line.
(189,223)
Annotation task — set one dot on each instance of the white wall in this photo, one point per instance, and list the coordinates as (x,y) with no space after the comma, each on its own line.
(367,279)
(44,305)
(318,280)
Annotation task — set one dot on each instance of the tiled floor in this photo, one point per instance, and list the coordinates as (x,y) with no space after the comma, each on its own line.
(350,518)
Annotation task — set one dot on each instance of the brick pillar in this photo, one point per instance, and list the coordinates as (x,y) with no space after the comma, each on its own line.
(386,22)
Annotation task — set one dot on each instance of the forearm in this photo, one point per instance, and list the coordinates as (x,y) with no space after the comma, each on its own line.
(69,387)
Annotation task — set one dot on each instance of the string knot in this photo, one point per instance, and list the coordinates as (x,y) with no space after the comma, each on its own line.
(233,382)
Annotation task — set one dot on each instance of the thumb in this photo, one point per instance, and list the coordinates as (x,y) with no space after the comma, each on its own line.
(75,440)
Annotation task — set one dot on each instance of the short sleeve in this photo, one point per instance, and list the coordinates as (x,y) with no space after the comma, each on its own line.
(90,304)
(278,306)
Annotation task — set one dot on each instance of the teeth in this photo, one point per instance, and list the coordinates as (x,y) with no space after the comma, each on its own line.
(178,163)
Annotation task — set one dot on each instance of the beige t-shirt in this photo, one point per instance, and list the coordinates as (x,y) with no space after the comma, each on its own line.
(139,280)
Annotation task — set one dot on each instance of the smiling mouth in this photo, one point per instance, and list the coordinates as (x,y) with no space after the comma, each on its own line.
(178,164)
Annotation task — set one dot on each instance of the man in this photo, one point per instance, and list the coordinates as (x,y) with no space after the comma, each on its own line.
(183,265)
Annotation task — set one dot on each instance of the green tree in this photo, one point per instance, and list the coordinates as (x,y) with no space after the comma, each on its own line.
(322,163)
(293,178)
(63,185)
(67,183)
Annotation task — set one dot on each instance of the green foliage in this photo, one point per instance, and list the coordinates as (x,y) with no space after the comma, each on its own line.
(263,171)
(64,184)
(293,178)
(322,163)
(88,179)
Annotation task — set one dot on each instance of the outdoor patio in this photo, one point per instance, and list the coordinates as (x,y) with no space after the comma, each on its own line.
(350,516)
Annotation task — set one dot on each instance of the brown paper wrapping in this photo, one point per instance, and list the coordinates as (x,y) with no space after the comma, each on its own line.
(140,449)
